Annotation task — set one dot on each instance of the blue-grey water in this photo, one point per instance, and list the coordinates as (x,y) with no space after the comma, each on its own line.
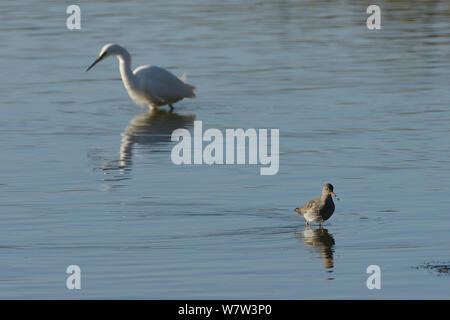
(87,179)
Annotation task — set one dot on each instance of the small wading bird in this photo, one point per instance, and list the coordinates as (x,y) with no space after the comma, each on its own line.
(319,209)
(150,85)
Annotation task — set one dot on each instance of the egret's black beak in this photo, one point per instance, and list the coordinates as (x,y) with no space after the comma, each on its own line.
(95,62)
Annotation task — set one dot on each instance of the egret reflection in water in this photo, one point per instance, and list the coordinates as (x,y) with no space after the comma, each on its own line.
(150,129)
(321,242)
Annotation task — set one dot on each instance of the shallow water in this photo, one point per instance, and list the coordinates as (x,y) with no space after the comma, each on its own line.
(87,177)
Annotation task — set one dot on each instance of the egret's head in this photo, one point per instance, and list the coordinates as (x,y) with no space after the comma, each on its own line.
(110,49)
(328,189)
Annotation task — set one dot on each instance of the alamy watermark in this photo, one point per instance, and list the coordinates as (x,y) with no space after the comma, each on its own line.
(374,20)
(74,280)
(237,151)
(73,21)
(374,280)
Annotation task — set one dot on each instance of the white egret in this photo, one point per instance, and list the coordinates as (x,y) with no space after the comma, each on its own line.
(148,85)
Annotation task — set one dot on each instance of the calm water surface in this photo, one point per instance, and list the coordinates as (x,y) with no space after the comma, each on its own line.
(87,177)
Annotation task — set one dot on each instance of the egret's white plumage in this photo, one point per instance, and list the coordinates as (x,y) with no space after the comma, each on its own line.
(150,85)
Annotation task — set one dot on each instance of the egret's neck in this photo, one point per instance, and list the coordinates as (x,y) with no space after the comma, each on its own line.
(128,78)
